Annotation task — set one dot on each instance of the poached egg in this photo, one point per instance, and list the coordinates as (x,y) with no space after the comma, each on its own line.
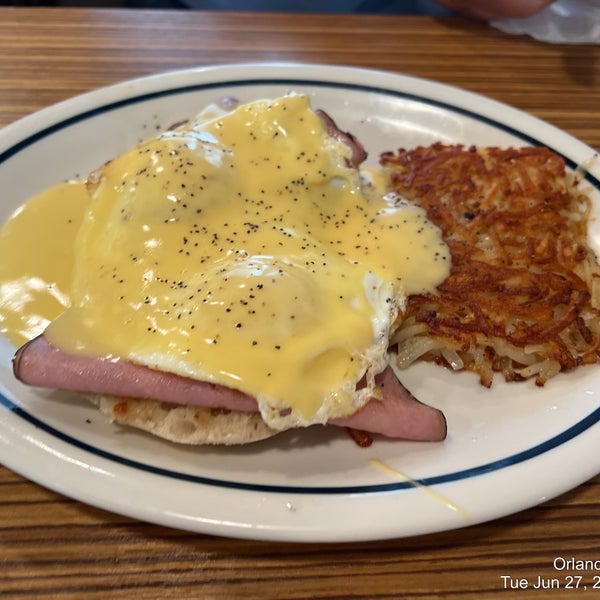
(241,248)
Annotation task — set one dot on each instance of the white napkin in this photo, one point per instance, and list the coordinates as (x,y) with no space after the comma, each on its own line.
(564,21)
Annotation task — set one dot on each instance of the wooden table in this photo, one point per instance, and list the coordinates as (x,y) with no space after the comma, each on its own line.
(51,546)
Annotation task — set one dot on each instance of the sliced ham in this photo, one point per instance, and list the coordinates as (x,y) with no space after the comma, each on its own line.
(37,363)
(398,415)
(359,154)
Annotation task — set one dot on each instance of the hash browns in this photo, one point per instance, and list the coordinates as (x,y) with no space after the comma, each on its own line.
(523,294)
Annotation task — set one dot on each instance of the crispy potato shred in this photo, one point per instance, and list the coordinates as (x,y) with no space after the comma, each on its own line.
(523,294)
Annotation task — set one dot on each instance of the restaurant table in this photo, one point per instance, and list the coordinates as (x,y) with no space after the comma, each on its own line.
(55,547)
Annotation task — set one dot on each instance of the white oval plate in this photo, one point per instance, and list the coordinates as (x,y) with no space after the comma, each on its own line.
(508,448)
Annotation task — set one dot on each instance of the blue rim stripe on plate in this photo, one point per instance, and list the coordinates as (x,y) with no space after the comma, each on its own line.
(496,465)
(514,459)
(16,148)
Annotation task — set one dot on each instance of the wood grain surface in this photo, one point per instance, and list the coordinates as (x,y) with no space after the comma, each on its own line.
(54,547)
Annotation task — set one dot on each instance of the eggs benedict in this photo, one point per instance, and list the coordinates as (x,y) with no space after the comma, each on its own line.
(237,269)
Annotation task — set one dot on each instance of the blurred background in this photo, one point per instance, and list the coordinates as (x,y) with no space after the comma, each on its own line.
(407,7)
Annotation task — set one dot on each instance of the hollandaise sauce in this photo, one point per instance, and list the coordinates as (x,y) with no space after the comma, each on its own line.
(429,491)
(241,249)
(36,246)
